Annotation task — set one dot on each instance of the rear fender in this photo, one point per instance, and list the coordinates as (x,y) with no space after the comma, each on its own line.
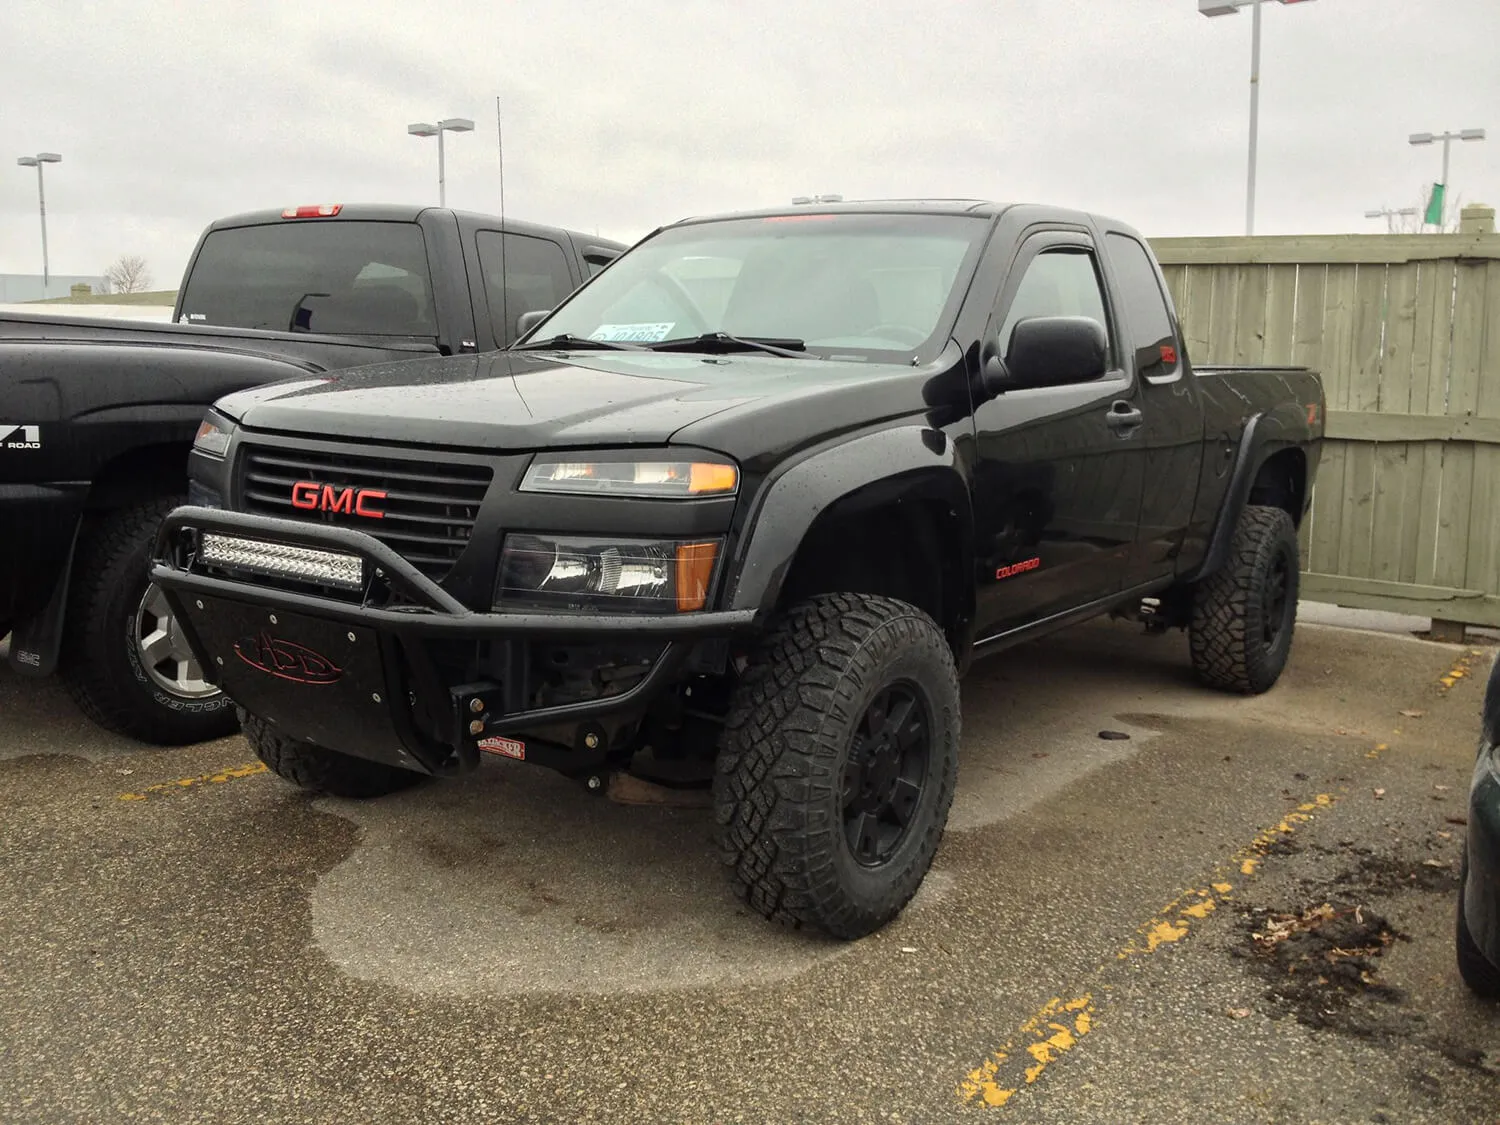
(1265,435)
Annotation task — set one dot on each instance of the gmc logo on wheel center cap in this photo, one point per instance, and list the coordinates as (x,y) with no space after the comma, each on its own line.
(311,496)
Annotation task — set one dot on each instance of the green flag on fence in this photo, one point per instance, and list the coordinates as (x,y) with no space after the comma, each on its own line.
(1435,206)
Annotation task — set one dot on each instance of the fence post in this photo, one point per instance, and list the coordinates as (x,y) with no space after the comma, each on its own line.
(1477,218)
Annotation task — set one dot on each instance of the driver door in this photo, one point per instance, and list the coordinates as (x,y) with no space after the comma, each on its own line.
(1058,478)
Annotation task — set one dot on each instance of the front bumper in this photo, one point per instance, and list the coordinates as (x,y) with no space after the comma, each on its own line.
(399,670)
(1482,882)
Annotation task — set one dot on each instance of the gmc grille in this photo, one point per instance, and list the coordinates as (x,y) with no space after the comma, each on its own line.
(429,507)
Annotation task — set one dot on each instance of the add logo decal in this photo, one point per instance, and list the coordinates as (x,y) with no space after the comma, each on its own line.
(15,436)
(311,496)
(286,660)
(505,747)
(1018,568)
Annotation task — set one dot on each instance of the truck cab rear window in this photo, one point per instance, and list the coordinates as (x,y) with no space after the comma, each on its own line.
(349,277)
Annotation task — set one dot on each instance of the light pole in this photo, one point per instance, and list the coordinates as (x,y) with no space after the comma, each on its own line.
(447,125)
(1440,191)
(1390,215)
(1229,8)
(36,162)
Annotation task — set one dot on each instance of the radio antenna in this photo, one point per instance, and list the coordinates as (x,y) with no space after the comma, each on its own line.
(503,330)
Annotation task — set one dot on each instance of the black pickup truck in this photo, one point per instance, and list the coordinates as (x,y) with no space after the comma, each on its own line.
(745,507)
(97,416)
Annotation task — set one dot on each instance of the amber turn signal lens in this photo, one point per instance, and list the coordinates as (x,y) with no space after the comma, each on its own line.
(709,476)
(695,566)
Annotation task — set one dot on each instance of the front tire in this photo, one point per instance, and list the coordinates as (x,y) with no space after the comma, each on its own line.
(837,764)
(1244,615)
(317,770)
(124,660)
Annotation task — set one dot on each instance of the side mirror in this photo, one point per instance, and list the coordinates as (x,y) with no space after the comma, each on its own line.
(1049,351)
(527,321)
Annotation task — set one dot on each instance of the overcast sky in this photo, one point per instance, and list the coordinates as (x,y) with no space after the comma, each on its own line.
(622,114)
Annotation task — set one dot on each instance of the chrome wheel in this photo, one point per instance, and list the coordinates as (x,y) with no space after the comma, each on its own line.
(164,651)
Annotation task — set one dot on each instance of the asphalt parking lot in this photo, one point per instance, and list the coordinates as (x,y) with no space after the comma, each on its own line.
(185,938)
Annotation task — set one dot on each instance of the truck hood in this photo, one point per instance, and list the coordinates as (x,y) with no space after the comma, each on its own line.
(518,401)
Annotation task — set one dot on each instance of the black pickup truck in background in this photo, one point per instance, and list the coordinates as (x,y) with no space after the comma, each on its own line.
(97,416)
(744,507)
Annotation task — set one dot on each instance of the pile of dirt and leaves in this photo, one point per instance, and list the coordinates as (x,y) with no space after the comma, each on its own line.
(1317,958)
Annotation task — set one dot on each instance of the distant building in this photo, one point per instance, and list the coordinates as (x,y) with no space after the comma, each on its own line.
(16,287)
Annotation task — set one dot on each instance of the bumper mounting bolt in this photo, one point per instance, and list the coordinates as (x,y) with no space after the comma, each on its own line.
(351,637)
(596,782)
(592,742)
(476,727)
(200,603)
(273,619)
(477,706)
(219,660)
(375,695)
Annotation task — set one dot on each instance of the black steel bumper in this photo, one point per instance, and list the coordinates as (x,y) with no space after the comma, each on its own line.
(355,672)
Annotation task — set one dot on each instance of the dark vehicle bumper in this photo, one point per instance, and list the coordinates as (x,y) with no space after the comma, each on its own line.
(399,671)
(1482,885)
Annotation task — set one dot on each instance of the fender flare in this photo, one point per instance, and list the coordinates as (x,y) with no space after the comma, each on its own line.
(904,462)
(1256,447)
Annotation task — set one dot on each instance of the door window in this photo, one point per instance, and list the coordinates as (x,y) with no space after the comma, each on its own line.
(1060,282)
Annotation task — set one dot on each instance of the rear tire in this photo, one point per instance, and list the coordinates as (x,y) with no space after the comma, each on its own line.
(1244,615)
(1478,972)
(318,770)
(837,764)
(111,613)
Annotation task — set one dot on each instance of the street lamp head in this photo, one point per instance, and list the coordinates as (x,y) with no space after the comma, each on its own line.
(1230,7)
(49,157)
(1471,135)
(1421,139)
(27,161)
(456,125)
(1374,214)
(422,129)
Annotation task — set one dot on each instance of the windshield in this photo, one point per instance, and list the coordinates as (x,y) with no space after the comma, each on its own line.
(344,277)
(850,286)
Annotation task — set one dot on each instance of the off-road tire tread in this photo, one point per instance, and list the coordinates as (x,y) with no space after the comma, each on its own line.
(105,546)
(1482,977)
(1224,653)
(318,770)
(779,752)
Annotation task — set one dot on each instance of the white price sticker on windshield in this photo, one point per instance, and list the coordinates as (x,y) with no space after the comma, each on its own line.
(632,333)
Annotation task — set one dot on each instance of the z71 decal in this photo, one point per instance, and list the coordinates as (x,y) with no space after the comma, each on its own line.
(17,436)
(1018,568)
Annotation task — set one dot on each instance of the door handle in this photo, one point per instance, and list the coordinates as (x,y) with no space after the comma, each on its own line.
(1124,417)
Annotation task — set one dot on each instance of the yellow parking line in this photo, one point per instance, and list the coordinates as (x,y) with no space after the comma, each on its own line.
(249,769)
(1059,1025)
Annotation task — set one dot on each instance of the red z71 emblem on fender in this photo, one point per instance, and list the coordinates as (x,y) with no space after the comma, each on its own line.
(286,660)
(311,496)
(1018,568)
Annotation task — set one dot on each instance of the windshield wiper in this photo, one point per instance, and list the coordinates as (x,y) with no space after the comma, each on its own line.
(723,342)
(578,343)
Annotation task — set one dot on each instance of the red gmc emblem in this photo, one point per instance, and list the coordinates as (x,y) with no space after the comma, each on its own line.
(311,496)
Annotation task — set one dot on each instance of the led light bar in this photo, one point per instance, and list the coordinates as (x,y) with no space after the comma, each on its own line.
(282,560)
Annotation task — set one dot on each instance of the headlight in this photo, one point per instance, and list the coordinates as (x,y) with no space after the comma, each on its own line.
(213,435)
(606,573)
(647,479)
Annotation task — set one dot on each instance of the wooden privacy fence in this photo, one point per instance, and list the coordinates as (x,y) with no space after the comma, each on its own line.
(1406,332)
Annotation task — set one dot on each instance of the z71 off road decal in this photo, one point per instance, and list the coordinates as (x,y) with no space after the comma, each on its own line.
(13,435)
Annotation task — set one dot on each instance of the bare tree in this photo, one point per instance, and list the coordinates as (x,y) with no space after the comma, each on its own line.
(129,275)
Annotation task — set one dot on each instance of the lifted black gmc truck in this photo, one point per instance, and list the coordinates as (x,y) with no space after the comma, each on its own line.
(97,416)
(750,501)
